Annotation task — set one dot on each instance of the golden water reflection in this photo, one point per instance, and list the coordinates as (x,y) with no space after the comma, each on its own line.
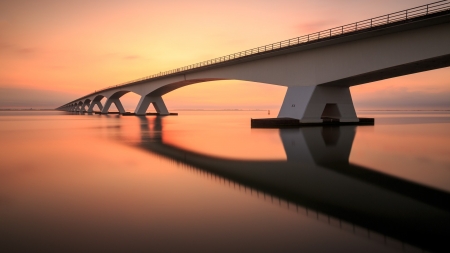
(76,182)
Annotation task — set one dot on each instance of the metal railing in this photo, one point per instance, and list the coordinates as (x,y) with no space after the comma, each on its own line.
(395,17)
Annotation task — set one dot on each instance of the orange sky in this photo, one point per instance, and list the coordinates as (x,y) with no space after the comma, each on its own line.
(52,51)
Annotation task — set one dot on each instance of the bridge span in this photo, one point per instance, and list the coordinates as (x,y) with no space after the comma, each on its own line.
(317,68)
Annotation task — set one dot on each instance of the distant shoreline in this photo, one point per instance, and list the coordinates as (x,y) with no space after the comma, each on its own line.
(233,110)
(262,110)
(411,110)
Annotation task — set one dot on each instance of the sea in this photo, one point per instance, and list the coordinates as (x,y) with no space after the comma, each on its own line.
(205,181)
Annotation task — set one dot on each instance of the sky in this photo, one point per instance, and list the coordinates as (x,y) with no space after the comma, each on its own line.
(53,51)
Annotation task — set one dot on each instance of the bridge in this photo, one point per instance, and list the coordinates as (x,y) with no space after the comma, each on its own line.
(317,68)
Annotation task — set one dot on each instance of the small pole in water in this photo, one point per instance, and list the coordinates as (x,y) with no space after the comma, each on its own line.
(268,112)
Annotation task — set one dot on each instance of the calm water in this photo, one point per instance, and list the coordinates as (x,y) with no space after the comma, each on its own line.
(207,182)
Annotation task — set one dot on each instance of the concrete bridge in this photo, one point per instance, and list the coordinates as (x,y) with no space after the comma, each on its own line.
(318,68)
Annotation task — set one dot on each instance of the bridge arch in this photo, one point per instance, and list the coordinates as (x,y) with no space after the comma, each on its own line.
(150,94)
(96,100)
(114,97)
(85,103)
(153,95)
(78,106)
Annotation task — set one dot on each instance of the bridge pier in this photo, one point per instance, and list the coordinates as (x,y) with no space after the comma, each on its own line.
(94,102)
(312,104)
(116,101)
(83,107)
(157,102)
(77,107)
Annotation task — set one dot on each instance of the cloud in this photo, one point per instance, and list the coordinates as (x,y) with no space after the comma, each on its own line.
(4,46)
(315,26)
(131,57)
(25,50)
(17,49)
(120,56)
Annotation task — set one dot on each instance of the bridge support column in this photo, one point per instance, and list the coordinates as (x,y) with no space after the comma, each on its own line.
(157,102)
(93,103)
(311,104)
(83,107)
(116,101)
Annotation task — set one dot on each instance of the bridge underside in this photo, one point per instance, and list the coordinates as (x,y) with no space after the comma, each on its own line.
(396,71)
(332,100)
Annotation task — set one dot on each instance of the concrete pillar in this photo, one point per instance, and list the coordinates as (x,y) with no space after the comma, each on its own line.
(92,105)
(116,101)
(157,102)
(83,107)
(311,104)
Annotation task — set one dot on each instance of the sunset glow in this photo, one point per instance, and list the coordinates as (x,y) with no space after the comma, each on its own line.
(53,52)
(224,126)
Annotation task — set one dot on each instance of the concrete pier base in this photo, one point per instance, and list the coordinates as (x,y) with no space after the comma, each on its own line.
(294,123)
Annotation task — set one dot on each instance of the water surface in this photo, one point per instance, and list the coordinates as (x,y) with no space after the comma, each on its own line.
(207,182)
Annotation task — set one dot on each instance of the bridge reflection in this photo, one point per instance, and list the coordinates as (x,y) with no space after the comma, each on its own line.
(317,177)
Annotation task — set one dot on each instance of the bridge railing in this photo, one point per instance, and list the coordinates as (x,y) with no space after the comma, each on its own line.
(395,17)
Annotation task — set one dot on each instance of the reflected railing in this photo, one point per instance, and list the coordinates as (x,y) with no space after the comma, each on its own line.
(318,180)
(343,225)
(349,29)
